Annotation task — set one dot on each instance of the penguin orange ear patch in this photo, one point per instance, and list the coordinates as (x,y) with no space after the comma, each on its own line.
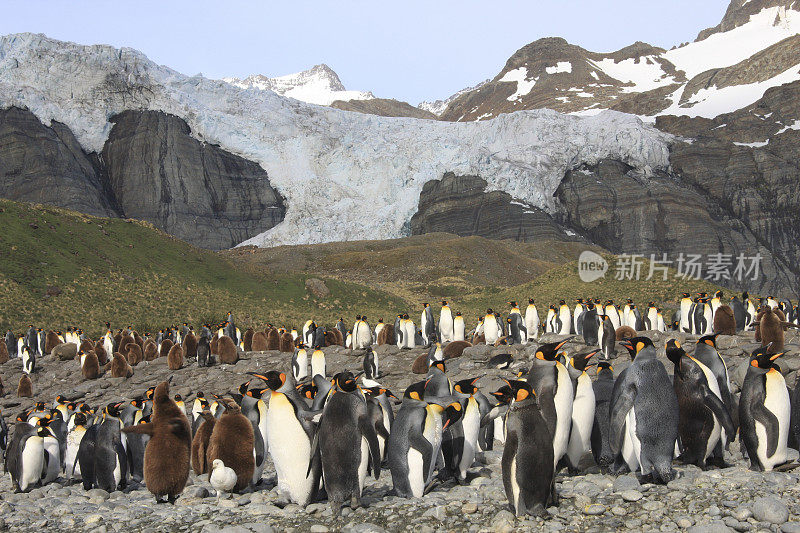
(639,346)
(540,355)
(709,342)
(414,395)
(522,394)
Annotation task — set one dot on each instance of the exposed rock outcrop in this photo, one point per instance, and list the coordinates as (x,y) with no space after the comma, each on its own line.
(384,107)
(461,205)
(196,191)
(45,164)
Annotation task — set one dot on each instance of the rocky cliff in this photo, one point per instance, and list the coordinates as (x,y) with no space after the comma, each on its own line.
(150,169)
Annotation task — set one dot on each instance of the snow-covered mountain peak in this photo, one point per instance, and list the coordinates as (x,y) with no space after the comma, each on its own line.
(317,85)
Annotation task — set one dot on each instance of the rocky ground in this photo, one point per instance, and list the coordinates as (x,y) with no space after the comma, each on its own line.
(714,500)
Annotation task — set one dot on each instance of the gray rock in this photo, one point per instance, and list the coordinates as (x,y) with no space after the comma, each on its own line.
(770,509)
(712,527)
(594,509)
(632,495)
(623,483)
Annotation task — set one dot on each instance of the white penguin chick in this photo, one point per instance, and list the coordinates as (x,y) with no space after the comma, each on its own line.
(222,478)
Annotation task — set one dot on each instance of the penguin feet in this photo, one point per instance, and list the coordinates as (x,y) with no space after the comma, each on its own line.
(355,502)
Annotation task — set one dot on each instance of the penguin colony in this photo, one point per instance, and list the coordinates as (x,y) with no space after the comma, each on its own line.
(327,432)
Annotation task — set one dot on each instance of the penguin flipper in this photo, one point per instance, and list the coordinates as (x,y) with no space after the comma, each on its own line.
(368,432)
(620,407)
(715,405)
(770,422)
(314,452)
(45,463)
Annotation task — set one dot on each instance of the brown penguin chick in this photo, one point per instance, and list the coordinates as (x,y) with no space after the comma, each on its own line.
(200,443)
(340,338)
(120,367)
(124,341)
(287,342)
(772,327)
(232,441)
(100,352)
(190,345)
(175,357)
(227,351)
(420,364)
(478,339)
(273,342)
(259,342)
(455,349)
(724,321)
(166,346)
(214,344)
(150,350)
(2,388)
(164,407)
(25,387)
(51,341)
(138,340)
(247,339)
(166,456)
(86,345)
(625,332)
(330,338)
(134,354)
(3,353)
(386,336)
(90,366)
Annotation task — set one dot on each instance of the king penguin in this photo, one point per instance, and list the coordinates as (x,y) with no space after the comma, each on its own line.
(445,323)
(583,406)
(644,415)
(532,320)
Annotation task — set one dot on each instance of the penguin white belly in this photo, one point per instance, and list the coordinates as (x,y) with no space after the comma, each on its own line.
(631,446)
(472,425)
(433,434)
(582,419)
(532,323)
(566,320)
(290,449)
(364,336)
(684,323)
(302,365)
(117,471)
(514,484)
(500,429)
(362,466)
(32,462)
(600,335)
(446,325)
(777,402)
(709,320)
(54,460)
(108,346)
(409,332)
(490,331)
(415,474)
(614,316)
(459,330)
(258,470)
(716,431)
(318,365)
(73,443)
(563,405)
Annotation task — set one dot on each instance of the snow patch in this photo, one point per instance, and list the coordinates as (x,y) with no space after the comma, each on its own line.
(560,67)
(520,77)
(644,73)
(753,145)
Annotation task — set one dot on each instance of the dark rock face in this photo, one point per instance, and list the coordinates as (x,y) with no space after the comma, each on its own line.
(151,169)
(461,205)
(739,13)
(47,165)
(195,191)
(620,210)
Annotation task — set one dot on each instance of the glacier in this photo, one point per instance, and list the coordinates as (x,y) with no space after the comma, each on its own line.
(345,175)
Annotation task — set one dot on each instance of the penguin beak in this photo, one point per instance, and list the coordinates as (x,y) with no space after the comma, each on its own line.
(772,358)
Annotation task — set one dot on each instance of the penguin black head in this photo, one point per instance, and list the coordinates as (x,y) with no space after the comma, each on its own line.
(512,303)
(55,414)
(137,402)
(604,366)
(149,393)
(520,390)
(256,393)
(458,313)
(452,414)
(530,301)
(307,390)
(344,381)
(581,361)
(80,419)
(44,431)
(243,387)
(40,406)
(762,358)
(549,351)
(711,340)
(84,408)
(466,386)
(674,351)
(112,409)
(274,379)
(415,391)
(438,364)
(444,302)
(178,398)
(635,345)
(504,395)
(405,316)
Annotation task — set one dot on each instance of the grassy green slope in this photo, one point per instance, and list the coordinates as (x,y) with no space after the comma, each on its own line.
(128,272)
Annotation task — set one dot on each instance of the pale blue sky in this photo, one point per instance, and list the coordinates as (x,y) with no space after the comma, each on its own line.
(413,50)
